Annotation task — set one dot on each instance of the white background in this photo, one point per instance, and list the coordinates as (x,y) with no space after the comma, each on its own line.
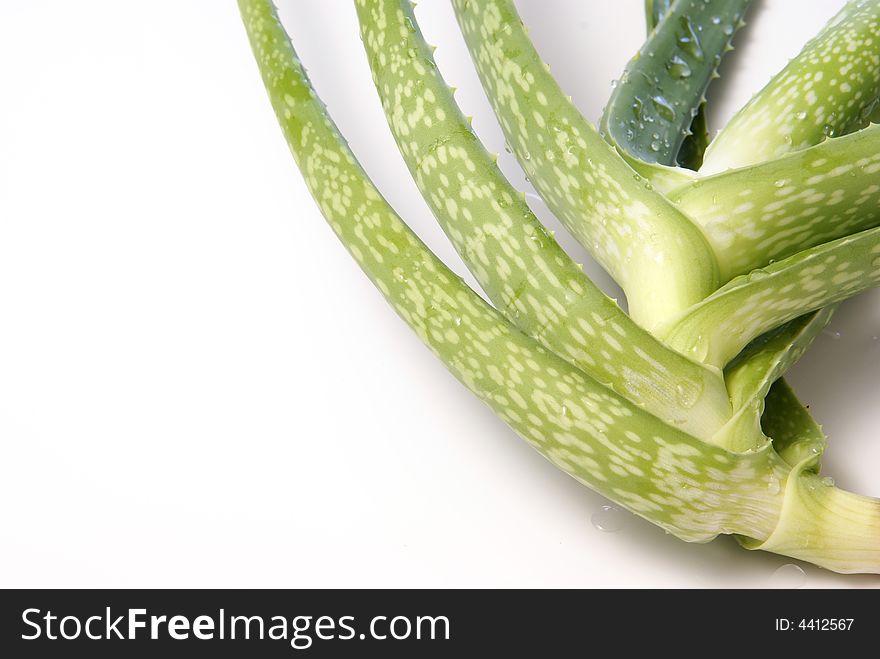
(199,388)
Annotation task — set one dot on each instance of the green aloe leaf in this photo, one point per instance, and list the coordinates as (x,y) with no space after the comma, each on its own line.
(766,212)
(655,10)
(830,87)
(750,377)
(797,438)
(660,93)
(656,254)
(717,328)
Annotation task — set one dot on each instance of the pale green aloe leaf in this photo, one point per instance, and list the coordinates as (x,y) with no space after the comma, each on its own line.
(522,269)
(717,328)
(749,378)
(766,212)
(675,480)
(657,255)
(769,356)
(651,109)
(833,83)
(797,438)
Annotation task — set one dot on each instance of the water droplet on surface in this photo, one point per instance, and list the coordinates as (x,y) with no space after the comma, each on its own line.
(780,183)
(614,83)
(609,519)
(828,130)
(686,396)
(828,481)
(664,107)
(655,145)
(773,485)
(678,68)
(688,39)
(716,20)
(800,116)
(457,321)
(564,411)
(788,576)
(527,156)
(832,333)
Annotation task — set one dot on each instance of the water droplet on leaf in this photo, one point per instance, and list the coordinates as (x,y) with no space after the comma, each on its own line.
(686,396)
(678,68)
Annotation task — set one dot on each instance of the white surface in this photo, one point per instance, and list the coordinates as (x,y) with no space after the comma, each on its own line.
(199,388)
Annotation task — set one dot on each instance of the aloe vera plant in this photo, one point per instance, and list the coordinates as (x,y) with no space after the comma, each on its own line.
(659,410)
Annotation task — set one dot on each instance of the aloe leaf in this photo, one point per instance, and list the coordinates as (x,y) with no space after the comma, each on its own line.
(653,105)
(749,378)
(832,83)
(717,328)
(797,438)
(691,488)
(657,255)
(766,212)
(523,270)
(655,10)
(750,374)
(690,155)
